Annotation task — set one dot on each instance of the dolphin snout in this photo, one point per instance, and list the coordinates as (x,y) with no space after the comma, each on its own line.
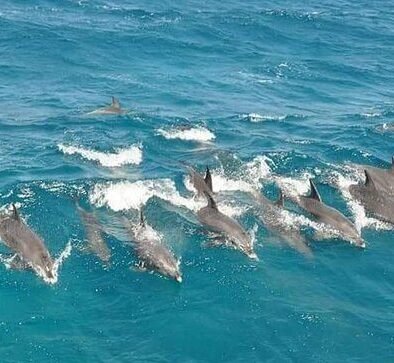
(361,244)
(178,278)
(253,256)
(49,273)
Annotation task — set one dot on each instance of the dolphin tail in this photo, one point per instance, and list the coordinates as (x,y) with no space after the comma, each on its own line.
(208,179)
(211,201)
(314,193)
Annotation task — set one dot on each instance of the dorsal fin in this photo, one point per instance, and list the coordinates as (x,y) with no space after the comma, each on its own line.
(314,193)
(15,213)
(281,200)
(142,219)
(208,179)
(115,103)
(211,201)
(368,180)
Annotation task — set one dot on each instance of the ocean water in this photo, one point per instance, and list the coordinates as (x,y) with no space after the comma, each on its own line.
(266,94)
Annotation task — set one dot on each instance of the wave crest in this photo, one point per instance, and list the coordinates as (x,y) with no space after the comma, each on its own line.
(127,156)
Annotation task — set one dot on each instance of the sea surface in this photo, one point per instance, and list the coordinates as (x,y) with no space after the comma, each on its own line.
(268,94)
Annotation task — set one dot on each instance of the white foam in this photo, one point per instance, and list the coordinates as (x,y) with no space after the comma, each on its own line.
(255,117)
(134,195)
(56,265)
(371,114)
(292,186)
(197,133)
(258,169)
(127,156)
(246,180)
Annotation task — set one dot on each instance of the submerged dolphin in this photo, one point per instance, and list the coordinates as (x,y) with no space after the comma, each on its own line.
(271,214)
(27,245)
(377,202)
(94,234)
(218,222)
(152,253)
(383,179)
(330,216)
(202,185)
(113,109)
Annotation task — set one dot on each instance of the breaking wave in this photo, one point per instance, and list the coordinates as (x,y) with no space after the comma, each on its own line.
(127,156)
(122,196)
(197,133)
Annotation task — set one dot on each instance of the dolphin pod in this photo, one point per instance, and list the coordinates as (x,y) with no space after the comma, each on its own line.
(376,195)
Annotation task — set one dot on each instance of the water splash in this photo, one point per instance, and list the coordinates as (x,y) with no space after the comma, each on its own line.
(127,156)
(56,265)
(198,133)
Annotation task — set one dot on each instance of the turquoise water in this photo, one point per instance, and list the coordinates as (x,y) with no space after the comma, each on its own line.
(275,93)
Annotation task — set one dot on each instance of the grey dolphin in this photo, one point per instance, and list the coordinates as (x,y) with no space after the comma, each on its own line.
(201,184)
(153,255)
(271,214)
(330,216)
(94,234)
(27,245)
(113,109)
(211,217)
(377,202)
(383,179)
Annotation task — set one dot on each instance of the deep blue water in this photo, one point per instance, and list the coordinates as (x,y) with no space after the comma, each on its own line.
(307,85)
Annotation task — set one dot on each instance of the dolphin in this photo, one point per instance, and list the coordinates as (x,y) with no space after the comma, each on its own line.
(94,234)
(330,216)
(201,184)
(271,215)
(153,255)
(213,219)
(377,202)
(386,127)
(113,109)
(29,248)
(383,179)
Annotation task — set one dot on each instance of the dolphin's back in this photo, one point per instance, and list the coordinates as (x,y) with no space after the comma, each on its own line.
(271,214)
(199,182)
(377,202)
(219,222)
(383,179)
(20,238)
(329,216)
(149,248)
(94,235)
(322,212)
